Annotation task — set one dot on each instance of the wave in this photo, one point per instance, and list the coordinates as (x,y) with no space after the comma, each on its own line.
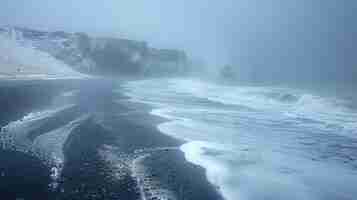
(285,104)
(258,142)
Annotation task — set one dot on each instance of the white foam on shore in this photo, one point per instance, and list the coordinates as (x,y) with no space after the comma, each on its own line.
(48,147)
(243,175)
(283,148)
(149,187)
(52,143)
(18,130)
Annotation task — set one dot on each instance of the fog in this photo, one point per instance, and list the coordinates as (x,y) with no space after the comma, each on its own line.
(178,99)
(296,40)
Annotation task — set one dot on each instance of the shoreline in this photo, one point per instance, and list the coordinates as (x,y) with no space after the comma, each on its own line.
(160,120)
(100,154)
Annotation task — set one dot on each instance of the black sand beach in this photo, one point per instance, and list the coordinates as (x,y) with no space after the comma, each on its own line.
(116,152)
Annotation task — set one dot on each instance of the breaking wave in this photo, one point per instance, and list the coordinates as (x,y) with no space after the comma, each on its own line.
(259,142)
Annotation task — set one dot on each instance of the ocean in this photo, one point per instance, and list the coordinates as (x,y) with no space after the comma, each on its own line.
(259,142)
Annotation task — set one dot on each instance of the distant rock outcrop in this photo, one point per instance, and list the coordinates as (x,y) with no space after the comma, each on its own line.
(105,56)
(228,72)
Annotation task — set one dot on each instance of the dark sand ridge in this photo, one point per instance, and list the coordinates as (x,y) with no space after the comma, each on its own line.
(117,153)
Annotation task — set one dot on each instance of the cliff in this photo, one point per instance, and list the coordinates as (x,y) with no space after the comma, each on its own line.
(103,56)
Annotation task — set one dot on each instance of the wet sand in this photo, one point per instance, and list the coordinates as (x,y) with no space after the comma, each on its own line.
(116,153)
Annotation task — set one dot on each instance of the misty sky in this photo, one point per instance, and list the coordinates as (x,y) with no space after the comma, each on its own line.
(304,35)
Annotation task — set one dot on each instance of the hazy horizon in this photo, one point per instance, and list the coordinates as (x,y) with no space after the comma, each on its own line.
(265,39)
(261,106)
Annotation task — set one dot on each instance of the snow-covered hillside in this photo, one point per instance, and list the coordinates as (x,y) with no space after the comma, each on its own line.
(21,58)
(88,55)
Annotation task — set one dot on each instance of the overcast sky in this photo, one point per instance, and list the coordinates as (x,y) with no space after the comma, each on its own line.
(249,33)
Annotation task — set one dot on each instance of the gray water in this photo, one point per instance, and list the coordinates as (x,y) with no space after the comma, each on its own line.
(260,142)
